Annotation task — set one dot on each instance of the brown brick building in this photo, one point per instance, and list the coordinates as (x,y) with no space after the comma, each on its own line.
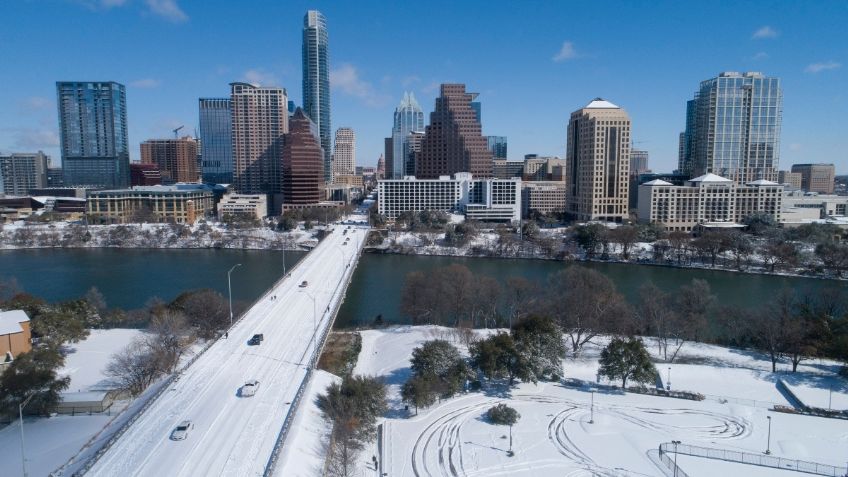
(453,141)
(175,158)
(15,337)
(303,162)
(144,174)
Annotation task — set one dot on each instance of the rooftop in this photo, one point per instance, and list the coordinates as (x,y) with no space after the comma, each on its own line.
(10,321)
(600,103)
(657,182)
(710,177)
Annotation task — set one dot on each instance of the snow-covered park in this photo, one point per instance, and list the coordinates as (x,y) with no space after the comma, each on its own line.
(571,430)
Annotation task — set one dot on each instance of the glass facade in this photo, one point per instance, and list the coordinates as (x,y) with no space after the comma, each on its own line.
(736,130)
(409,118)
(93,133)
(497,144)
(316,81)
(216,140)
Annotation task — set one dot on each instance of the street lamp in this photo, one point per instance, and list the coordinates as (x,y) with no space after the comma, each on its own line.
(668,381)
(592,409)
(21,407)
(768,441)
(230,290)
(314,316)
(675,456)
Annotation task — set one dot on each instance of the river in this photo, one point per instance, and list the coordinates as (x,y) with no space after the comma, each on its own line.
(129,277)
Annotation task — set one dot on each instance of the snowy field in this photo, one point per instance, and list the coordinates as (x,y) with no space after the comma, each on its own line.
(554,436)
(85,360)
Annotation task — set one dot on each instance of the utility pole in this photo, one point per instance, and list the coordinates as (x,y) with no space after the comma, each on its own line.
(668,381)
(768,441)
(675,456)
(21,407)
(592,409)
(230,291)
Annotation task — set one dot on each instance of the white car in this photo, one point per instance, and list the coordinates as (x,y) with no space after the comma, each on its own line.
(181,431)
(249,388)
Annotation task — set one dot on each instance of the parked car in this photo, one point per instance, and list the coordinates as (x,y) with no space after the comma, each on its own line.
(303,284)
(256,339)
(249,388)
(181,431)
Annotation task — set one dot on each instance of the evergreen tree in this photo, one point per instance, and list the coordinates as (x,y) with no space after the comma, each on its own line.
(627,359)
(539,341)
(497,357)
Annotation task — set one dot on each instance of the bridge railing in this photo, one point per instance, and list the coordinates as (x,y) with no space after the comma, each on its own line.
(762,460)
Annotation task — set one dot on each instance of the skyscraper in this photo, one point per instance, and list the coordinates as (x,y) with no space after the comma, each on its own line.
(638,162)
(259,120)
(735,131)
(497,144)
(303,162)
(344,154)
(687,142)
(408,118)
(216,140)
(316,81)
(93,133)
(453,141)
(597,162)
(412,148)
(176,159)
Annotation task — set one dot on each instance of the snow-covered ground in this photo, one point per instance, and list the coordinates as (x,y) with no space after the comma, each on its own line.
(85,360)
(554,436)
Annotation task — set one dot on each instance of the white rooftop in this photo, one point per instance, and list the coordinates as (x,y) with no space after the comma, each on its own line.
(600,103)
(710,177)
(10,321)
(657,182)
(762,182)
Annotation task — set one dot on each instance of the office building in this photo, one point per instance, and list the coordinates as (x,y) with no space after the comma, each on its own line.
(176,159)
(799,207)
(497,145)
(254,206)
(816,177)
(686,147)
(484,199)
(179,203)
(598,162)
(22,172)
(638,162)
(344,152)
(259,120)
(453,141)
(55,177)
(316,81)
(412,149)
(408,118)
(216,147)
(792,180)
(543,197)
(144,174)
(381,167)
(93,133)
(734,131)
(707,201)
(543,168)
(303,163)
(503,169)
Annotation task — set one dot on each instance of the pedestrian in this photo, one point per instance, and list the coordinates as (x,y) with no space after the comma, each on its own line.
(226,334)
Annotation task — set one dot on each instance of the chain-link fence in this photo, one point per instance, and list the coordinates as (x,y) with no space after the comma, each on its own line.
(762,460)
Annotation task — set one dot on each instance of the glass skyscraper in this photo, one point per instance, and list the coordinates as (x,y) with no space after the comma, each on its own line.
(497,144)
(216,144)
(735,128)
(408,118)
(93,133)
(316,81)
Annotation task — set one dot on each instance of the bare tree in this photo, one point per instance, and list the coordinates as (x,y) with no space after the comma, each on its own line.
(170,338)
(656,311)
(625,236)
(134,368)
(679,241)
(694,303)
(520,296)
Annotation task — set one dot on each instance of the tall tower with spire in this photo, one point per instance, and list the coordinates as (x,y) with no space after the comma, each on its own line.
(409,118)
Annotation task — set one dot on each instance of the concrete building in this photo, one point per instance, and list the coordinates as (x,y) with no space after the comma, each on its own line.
(93,133)
(252,205)
(818,206)
(303,164)
(638,162)
(543,168)
(707,201)
(259,120)
(453,141)
(179,203)
(733,128)
(816,177)
(344,154)
(15,336)
(176,159)
(792,180)
(22,172)
(544,197)
(216,135)
(484,199)
(351,180)
(316,82)
(598,162)
(408,118)
(503,169)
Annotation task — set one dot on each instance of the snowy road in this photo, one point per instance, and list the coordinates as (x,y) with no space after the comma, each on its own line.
(235,435)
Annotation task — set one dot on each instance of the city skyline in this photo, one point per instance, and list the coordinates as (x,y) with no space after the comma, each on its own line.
(528,93)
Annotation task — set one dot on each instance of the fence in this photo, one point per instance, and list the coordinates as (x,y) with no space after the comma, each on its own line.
(761,460)
(295,404)
(671,464)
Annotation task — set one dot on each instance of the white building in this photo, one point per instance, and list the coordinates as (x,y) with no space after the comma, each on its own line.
(478,199)
(803,208)
(255,205)
(344,154)
(708,200)
(545,197)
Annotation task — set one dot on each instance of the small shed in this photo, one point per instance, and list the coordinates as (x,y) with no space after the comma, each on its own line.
(85,402)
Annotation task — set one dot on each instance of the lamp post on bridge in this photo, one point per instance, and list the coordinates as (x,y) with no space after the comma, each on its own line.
(768,441)
(230,291)
(314,316)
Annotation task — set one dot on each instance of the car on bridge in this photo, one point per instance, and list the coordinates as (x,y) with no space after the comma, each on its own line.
(249,389)
(181,431)
(256,339)
(303,284)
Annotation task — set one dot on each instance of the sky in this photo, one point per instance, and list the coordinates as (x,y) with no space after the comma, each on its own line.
(533,63)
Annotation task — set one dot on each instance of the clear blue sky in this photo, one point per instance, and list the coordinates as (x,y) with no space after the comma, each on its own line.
(533,63)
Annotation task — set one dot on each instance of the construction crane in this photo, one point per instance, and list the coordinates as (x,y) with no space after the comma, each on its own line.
(177,130)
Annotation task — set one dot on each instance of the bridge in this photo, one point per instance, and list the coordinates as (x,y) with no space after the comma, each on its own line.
(234,435)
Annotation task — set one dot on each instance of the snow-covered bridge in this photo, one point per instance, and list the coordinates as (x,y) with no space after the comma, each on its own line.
(234,435)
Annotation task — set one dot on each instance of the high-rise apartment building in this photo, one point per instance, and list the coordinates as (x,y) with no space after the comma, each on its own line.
(734,131)
(316,81)
(453,141)
(408,118)
(497,144)
(176,159)
(216,145)
(93,133)
(687,143)
(598,162)
(344,154)
(638,162)
(259,120)
(303,162)
(22,172)
(816,177)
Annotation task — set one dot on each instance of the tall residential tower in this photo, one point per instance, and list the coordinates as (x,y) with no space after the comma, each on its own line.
(316,81)
(216,140)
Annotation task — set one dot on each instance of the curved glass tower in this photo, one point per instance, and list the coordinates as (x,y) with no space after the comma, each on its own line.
(316,81)
(409,118)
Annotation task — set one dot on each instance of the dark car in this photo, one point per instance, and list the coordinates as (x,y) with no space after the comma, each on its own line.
(256,339)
